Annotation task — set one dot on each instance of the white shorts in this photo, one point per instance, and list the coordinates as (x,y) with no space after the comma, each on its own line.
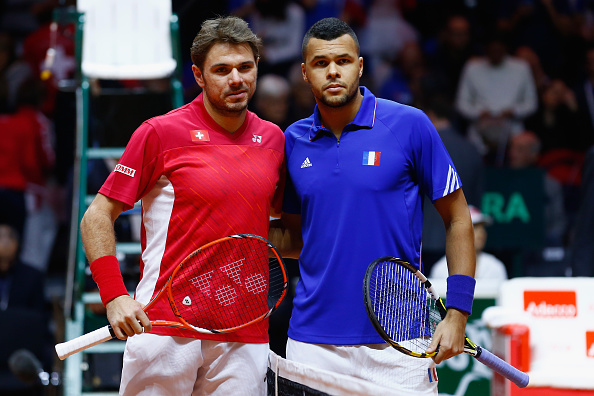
(377,363)
(162,365)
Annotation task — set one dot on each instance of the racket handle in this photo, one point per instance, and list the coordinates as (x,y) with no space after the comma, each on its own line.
(516,376)
(83,342)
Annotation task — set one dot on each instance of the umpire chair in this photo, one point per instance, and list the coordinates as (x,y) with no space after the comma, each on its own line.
(116,40)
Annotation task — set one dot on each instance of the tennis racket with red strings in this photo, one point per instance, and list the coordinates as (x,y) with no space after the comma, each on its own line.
(221,287)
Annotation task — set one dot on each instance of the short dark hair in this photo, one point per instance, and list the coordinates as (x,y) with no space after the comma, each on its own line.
(228,29)
(328,29)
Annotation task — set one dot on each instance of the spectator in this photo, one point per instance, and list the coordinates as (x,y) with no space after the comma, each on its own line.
(523,153)
(406,77)
(544,26)
(302,100)
(319,9)
(41,194)
(454,48)
(487,265)
(584,92)
(13,72)
(541,78)
(280,24)
(23,312)
(581,239)
(59,36)
(21,286)
(496,93)
(26,154)
(271,100)
(383,37)
(556,120)
(20,17)
(584,19)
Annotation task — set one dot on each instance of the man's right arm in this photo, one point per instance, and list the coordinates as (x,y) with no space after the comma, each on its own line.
(98,237)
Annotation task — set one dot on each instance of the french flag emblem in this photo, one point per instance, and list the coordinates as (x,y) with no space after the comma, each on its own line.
(371,157)
(432,372)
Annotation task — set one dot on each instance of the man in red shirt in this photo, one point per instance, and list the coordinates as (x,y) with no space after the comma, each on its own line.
(203,171)
(26,153)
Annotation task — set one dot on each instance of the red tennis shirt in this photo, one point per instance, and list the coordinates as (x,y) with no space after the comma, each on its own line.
(197,182)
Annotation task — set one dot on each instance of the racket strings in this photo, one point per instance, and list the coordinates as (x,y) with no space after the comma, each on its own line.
(277,282)
(402,306)
(227,285)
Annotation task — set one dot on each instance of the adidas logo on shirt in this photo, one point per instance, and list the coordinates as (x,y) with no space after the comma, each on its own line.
(306,163)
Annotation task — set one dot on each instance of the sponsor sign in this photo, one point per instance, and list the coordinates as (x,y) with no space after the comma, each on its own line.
(550,303)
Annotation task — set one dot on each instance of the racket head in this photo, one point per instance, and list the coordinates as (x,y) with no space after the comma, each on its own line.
(400,306)
(228,284)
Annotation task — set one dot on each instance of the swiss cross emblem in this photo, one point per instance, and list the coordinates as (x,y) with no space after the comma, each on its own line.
(199,135)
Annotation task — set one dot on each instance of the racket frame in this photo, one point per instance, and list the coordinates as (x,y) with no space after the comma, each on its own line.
(469,347)
(183,323)
(106,333)
(492,361)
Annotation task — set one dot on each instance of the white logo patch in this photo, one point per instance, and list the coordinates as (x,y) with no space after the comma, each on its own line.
(306,164)
(125,170)
(257,139)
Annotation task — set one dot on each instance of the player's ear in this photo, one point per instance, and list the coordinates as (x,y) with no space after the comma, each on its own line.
(360,66)
(303,73)
(198,76)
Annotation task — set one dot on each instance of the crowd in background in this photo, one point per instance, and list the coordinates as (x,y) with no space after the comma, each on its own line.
(508,84)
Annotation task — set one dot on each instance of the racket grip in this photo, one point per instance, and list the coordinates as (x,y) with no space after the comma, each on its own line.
(516,376)
(83,342)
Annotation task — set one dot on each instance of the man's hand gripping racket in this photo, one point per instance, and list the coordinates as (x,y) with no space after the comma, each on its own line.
(223,286)
(405,309)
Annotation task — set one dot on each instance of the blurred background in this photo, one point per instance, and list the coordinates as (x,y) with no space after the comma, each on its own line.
(508,84)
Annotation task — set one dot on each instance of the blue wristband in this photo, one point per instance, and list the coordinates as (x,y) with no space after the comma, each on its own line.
(460,293)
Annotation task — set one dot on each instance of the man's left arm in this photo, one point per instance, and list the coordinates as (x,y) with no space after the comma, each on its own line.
(461,258)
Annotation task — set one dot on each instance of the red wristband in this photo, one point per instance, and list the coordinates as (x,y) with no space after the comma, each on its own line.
(106,274)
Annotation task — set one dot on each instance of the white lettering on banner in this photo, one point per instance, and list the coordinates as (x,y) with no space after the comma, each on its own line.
(125,170)
(544,309)
(558,303)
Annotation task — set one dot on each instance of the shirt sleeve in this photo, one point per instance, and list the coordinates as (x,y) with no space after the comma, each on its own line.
(138,169)
(434,168)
